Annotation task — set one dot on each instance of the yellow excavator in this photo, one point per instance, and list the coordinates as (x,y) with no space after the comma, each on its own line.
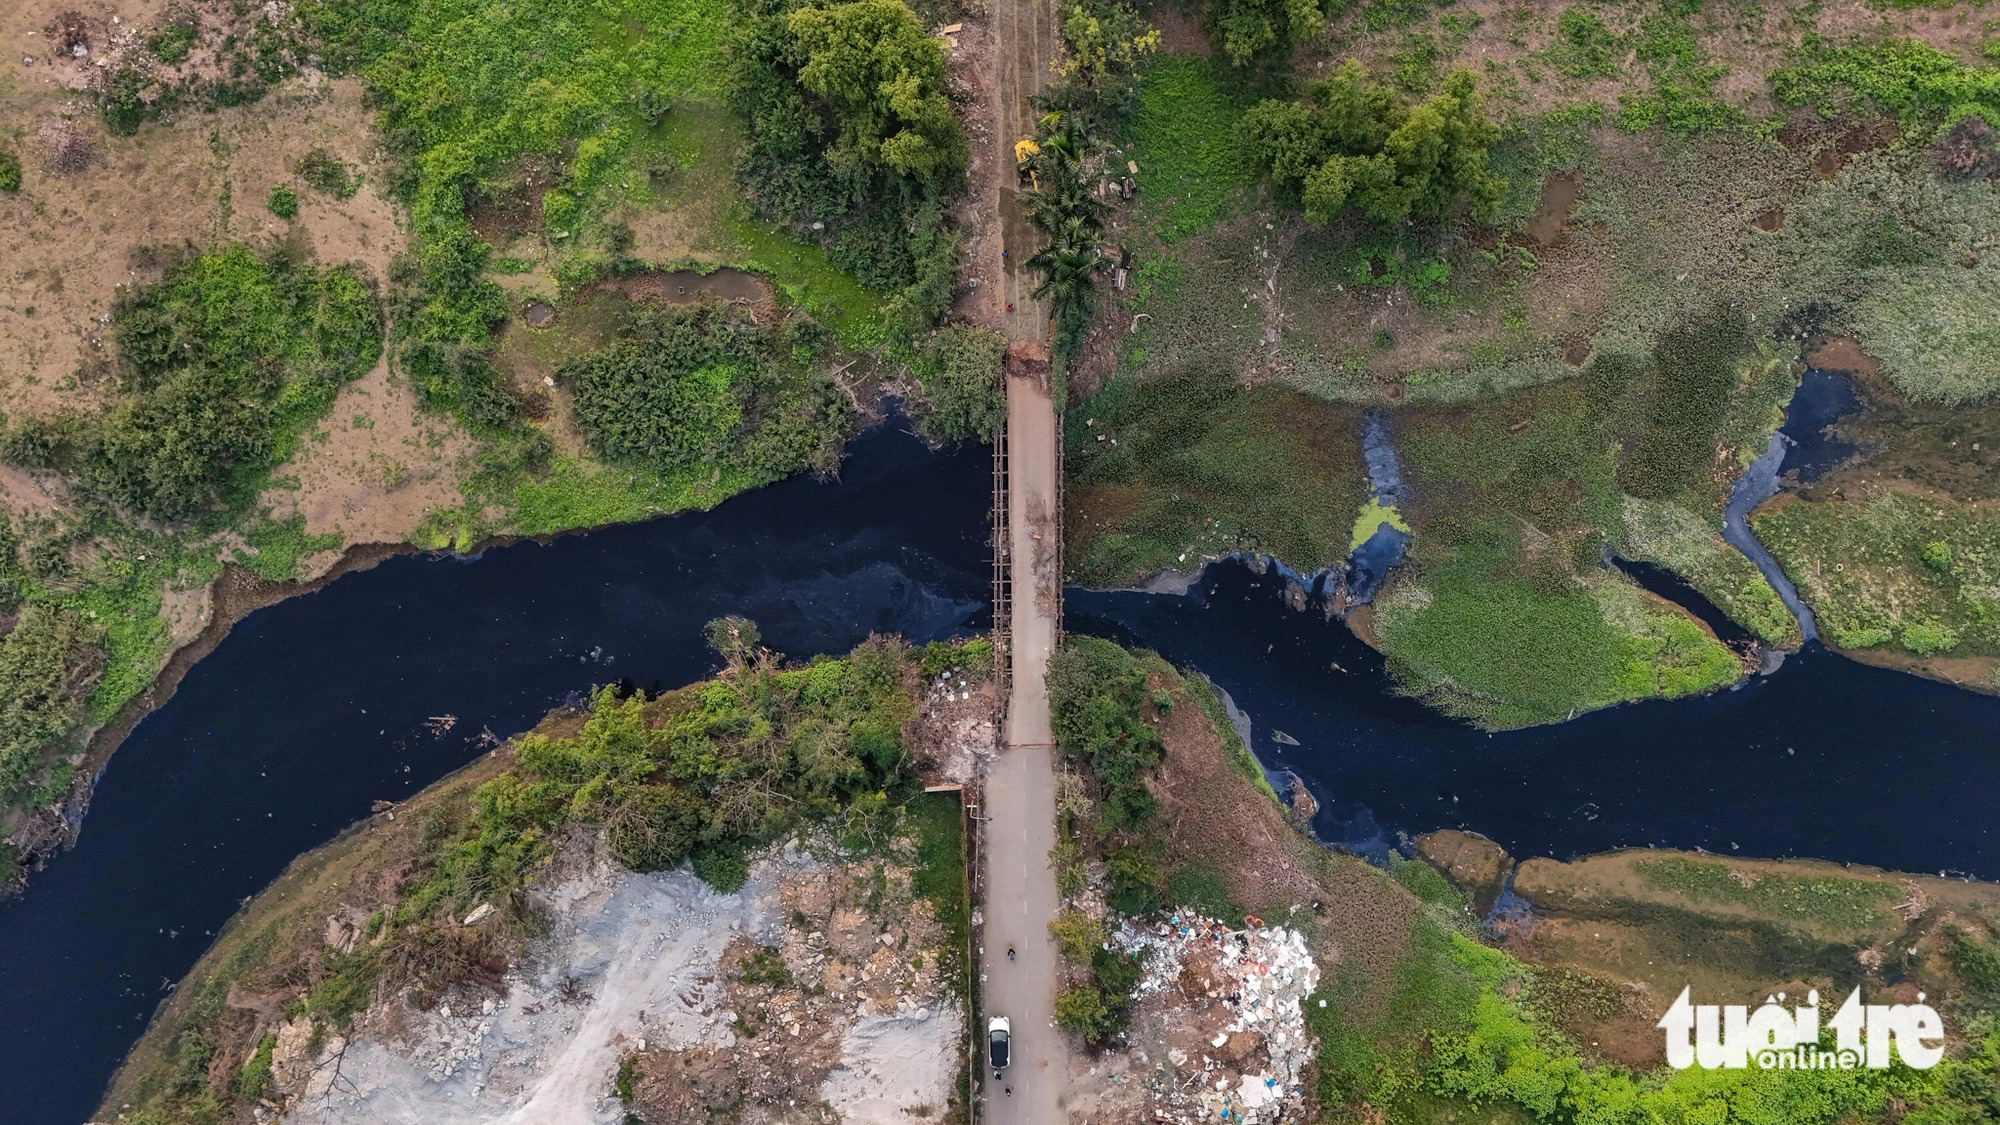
(1025,151)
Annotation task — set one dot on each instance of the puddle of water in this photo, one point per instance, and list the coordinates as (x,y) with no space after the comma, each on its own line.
(538,315)
(1560,193)
(1823,398)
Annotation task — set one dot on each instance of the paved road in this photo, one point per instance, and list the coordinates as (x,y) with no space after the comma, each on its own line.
(1020,787)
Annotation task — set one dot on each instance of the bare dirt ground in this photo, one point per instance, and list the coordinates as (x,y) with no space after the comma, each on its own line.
(372,467)
(69,240)
(975,79)
(815,994)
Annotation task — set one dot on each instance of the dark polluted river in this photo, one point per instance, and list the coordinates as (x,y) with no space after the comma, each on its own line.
(1826,757)
(388,679)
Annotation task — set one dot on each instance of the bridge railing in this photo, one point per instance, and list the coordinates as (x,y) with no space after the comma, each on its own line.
(1003,577)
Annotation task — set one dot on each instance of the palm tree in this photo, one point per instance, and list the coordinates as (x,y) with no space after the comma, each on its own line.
(1068,265)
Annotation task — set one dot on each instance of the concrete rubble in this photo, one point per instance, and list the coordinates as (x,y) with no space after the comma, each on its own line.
(1236,1044)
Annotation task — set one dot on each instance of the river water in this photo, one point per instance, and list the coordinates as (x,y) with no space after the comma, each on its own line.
(1825,757)
(314,708)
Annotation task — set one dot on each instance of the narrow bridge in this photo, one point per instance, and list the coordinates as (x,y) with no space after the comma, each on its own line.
(1020,888)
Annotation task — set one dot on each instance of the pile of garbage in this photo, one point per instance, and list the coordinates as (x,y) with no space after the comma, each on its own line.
(1237,1039)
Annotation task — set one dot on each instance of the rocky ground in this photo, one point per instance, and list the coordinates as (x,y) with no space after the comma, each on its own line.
(1218,1030)
(817,993)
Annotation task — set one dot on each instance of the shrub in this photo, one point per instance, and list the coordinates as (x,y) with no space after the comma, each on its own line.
(1927,637)
(48,664)
(1095,692)
(1245,29)
(670,397)
(10,171)
(1078,935)
(222,362)
(1081,1009)
(283,202)
(1937,555)
(1353,144)
(1584,47)
(179,31)
(962,394)
(1134,880)
(323,172)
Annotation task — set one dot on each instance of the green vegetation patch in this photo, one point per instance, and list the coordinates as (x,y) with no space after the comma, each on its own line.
(1888,252)
(1170,467)
(851,133)
(221,365)
(703,774)
(469,88)
(1695,373)
(1471,1034)
(1184,139)
(1096,694)
(1925,87)
(1504,614)
(1673,535)
(1917,571)
(961,394)
(1844,904)
(49,662)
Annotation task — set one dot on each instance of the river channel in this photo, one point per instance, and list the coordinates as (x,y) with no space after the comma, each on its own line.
(390,678)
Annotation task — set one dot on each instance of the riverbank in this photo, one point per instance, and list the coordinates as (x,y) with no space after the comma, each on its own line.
(543,972)
(1452,982)
(312,709)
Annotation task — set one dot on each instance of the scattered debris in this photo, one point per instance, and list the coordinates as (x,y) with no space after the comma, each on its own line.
(1236,1041)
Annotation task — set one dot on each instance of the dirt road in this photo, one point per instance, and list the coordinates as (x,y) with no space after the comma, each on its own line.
(1024,38)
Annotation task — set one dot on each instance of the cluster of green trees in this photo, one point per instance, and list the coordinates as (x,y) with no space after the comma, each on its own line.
(960,393)
(219,366)
(852,134)
(1245,29)
(704,773)
(1103,712)
(705,385)
(1106,44)
(1097,700)
(1354,145)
